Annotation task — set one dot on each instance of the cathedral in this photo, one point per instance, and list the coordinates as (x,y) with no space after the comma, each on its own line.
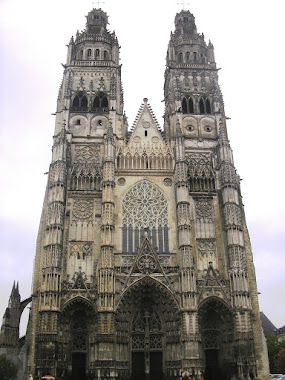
(143,265)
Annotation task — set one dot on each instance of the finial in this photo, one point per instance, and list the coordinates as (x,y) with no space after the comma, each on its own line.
(145,100)
(98,3)
(183,4)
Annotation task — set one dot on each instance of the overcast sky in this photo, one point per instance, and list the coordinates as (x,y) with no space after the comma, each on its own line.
(248,36)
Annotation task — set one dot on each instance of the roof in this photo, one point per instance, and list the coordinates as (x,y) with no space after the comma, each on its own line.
(267,325)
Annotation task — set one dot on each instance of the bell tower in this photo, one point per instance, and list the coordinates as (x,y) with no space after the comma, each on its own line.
(218,286)
(91,92)
(191,77)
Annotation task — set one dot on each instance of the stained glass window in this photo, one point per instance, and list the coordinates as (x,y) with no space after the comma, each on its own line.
(145,208)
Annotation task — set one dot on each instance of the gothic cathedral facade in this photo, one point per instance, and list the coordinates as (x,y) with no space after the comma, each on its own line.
(143,265)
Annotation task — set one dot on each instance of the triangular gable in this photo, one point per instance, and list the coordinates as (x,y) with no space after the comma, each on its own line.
(146,129)
(79,283)
(212,280)
(146,263)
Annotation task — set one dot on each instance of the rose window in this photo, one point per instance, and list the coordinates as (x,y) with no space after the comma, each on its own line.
(145,209)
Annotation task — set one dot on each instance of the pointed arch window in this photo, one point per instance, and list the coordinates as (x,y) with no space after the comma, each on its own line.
(100,103)
(84,102)
(180,57)
(208,106)
(202,106)
(89,53)
(205,106)
(80,102)
(187,56)
(145,207)
(97,53)
(75,103)
(187,105)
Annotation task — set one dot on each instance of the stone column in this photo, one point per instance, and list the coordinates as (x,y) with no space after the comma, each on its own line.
(238,271)
(190,337)
(49,276)
(106,281)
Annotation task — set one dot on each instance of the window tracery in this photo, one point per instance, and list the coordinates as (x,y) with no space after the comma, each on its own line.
(145,207)
(79,102)
(100,103)
(187,105)
(150,319)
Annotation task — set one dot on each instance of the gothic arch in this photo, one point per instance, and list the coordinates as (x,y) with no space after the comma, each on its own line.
(79,102)
(148,322)
(216,325)
(76,325)
(85,302)
(100,102)
(133,290)
(187,104)
(205,106)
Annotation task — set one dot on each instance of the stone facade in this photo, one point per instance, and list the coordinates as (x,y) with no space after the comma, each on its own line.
(143,265)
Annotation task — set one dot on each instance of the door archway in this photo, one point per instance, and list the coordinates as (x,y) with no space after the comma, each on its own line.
(76,322)
(217,332)
(148,328)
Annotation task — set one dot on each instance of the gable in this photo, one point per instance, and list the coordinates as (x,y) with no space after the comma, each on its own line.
(146,130)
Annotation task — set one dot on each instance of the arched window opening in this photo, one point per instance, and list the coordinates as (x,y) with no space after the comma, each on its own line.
(100,103)
(75,102)
(97,53)
(208,106)
(187,56)
(180,57)
(203,58)
(89,53)
(105,54)
(191,105)
(202,106)
(145,133)
(184,105)
(104,102)
(84,102)
(187,105)
(195,56)
(96,103)
(80,102)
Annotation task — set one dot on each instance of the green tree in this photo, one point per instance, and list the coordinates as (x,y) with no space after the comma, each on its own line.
(273,349)
(279,363)
(8,370)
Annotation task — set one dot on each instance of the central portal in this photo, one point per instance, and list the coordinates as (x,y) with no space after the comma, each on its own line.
(138,364)
(146,346)
(78,366)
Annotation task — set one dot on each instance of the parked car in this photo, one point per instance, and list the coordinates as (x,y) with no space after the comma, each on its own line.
(282,378)
(276,376)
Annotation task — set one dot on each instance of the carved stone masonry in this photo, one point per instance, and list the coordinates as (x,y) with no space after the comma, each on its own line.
(204,209)
(82,210)
(206,246)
